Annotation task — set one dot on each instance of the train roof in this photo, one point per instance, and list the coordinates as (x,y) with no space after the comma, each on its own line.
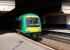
(29,15)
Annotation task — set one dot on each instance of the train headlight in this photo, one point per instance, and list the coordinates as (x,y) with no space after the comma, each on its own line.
(27,30)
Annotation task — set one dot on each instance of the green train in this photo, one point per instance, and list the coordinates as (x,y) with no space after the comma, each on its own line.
(30,24)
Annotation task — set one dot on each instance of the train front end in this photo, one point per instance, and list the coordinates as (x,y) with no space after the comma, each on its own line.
(30,24)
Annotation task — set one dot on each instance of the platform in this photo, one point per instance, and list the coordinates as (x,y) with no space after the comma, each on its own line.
(14,41)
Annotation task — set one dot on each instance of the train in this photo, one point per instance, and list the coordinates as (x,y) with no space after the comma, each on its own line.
(29,25)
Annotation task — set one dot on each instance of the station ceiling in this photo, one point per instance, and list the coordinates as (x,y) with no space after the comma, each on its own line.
(37,5)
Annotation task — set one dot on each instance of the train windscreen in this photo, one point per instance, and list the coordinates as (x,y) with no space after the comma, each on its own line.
(31,22)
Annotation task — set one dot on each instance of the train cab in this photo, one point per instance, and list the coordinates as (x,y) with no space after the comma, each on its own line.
(30,24)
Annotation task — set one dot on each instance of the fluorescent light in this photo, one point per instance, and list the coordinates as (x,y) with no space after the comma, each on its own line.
(6,8)
(7,5)
(66,8)
(68,20)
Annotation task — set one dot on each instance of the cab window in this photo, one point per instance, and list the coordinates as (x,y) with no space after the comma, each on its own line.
(32,22)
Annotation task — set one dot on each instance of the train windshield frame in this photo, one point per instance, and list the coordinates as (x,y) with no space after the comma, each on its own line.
(32,22)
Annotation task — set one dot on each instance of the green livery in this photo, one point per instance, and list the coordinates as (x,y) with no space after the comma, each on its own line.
(29,24)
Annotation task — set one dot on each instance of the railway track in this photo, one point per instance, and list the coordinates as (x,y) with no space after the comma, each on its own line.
(57,37)
(58,42)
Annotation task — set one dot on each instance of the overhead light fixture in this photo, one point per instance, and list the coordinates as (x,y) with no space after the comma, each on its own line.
(7,5)
(68,19)
(66,7)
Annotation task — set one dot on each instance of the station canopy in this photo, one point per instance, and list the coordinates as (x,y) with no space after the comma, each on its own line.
(7,5)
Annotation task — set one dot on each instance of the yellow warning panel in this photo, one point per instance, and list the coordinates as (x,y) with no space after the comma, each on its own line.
(33,29)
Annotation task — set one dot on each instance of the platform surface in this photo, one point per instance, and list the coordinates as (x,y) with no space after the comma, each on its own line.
(14,41)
